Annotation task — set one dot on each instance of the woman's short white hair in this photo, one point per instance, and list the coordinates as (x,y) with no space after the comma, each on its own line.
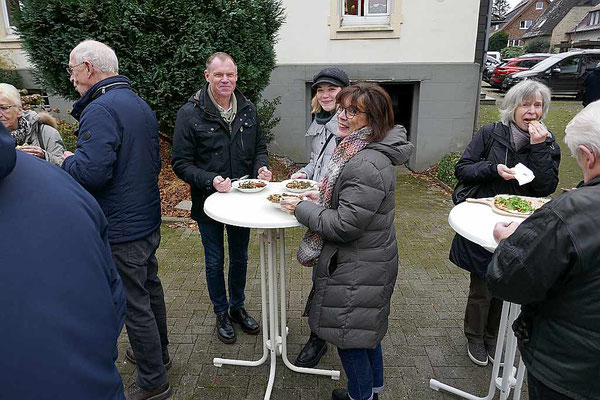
(584,129)
(10,93)
(524,90)
(98,54)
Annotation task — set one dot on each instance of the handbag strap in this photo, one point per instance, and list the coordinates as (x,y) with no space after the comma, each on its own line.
(331,135)
(488,145)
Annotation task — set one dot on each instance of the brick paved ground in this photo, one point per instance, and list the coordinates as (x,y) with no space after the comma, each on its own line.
(424,340)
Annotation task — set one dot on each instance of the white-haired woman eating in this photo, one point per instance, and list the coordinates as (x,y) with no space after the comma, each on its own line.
(520,137)
(34,133)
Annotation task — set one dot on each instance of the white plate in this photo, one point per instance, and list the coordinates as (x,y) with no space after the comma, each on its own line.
(236,185)
(314,185)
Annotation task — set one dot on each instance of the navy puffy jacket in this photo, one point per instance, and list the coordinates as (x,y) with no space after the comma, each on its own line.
(63,305)
(118,158)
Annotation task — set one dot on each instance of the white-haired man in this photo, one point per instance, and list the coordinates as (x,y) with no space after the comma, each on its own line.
(218,137)
(118,161)
(550,263)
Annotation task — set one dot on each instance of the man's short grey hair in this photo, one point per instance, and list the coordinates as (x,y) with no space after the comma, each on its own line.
(221,55)
(584,129)
(98,54)
(10,93)
(524,90)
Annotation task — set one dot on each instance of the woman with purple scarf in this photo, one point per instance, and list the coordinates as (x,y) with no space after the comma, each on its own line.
(351,238)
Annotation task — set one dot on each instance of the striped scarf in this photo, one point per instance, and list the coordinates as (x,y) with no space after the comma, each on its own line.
(312,243)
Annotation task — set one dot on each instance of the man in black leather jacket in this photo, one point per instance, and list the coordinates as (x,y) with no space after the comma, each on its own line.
(218,137)
(550,264)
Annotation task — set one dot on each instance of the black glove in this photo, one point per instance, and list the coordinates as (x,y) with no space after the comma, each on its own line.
(522,328)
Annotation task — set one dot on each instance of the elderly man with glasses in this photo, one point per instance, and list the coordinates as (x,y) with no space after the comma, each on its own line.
(118,161)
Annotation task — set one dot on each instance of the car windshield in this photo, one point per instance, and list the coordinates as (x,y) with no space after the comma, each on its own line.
(547,63)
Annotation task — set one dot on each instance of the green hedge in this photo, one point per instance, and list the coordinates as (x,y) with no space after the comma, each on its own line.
(445,168)
(161,45)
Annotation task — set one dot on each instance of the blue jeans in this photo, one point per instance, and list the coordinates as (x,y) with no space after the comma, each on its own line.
(364,369)
(212,240)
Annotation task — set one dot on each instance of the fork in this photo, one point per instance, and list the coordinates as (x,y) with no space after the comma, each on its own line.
(239,179)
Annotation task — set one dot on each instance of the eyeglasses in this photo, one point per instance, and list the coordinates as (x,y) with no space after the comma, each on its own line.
(70,69)
(5,109)
(350,111)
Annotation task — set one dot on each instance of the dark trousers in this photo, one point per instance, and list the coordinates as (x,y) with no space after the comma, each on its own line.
(364,369)
(146,316)
(214,259)
(539,391)
(483,312)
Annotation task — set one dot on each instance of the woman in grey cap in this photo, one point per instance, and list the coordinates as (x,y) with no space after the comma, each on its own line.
(323,130)
(327,84)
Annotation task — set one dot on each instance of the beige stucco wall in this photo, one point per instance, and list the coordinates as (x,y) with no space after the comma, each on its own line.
(430,31)
(568,23)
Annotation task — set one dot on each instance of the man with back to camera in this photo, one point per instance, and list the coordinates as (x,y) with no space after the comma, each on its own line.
(550,264)
(118,161)
(218,137)
(62,300)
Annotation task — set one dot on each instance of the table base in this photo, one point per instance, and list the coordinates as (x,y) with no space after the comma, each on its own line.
(274,342)
(511,378)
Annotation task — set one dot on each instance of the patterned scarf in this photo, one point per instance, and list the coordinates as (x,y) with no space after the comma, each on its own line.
(312,243)
(22,131)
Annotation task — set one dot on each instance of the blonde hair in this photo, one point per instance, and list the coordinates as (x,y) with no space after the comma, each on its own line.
(315,106)
(10,93)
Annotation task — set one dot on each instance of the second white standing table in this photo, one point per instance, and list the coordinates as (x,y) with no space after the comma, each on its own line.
(476,222)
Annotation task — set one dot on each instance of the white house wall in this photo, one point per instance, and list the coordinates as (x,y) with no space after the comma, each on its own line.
(431,31)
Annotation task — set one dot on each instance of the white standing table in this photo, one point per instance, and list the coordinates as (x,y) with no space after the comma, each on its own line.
(476,222)
(252,210)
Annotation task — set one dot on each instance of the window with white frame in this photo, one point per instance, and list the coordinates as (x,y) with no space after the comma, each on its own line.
(539,5)
(365,12)
(525,24)
(594,18)
(7,7)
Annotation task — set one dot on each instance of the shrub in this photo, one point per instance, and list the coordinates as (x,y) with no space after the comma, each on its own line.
(266,111)
(445,169)
(161,45)
(537,45)
(498,41)
(8,74)
(66,131)
(512,51)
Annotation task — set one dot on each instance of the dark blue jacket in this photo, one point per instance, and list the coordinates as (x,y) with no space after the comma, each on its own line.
(63,305)
(117,158)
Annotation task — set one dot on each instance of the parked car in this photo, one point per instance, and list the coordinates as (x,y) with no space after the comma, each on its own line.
(563,73)
(513,65)
(490,64)
(495,55)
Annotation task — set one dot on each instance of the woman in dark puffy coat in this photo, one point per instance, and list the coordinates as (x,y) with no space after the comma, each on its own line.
(351,237)
(520,137)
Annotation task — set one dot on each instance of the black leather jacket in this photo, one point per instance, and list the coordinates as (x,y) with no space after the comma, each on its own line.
(543,159)
(551,265)
(205,146)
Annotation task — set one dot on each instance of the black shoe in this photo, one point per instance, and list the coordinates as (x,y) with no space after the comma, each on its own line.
(246,322)
(225,331)
(134,392)
(130,356)
(312,352)
(477,353)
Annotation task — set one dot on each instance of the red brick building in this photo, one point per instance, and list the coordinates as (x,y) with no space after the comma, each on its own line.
(527,12)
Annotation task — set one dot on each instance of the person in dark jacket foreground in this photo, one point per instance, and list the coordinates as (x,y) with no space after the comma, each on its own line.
(551,265)
(591,86)
(217,138)
(351,236)
(118,161)
(327,83)
(519,138)
(61,316)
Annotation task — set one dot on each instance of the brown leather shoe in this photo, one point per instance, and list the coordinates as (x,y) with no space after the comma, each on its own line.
(130,356)
(134,392)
